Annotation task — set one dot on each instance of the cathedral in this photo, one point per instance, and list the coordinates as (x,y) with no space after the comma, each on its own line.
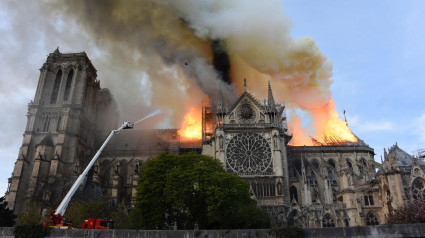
(333,185)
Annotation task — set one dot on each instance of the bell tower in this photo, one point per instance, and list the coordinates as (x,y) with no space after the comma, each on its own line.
(60,130)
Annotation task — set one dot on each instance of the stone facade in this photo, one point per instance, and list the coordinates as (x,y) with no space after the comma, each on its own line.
(310,186)
(61,129)
(251,140)
(334,185)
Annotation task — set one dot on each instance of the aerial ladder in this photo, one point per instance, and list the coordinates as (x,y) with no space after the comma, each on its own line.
(56,216)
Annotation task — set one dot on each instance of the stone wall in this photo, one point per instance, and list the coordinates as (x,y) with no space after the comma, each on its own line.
(161,234)
(411,230)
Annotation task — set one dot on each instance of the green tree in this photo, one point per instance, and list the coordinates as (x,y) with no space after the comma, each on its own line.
(193,191)
(79,210)
(32,216)
(7,218)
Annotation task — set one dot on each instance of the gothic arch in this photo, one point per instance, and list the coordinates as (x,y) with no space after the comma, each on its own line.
(69,68)
(57,68)
(346,222)
(330,175)
(293,193)
(418,188)
(349,164)
(69,79)
(56,87)
(315,189)
(331,162)
(328,221)
(371,219)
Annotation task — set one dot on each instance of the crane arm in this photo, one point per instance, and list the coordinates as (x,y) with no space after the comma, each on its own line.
(64,204)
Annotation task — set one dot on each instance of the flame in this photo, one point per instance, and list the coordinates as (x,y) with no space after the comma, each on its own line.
(337,132)
(191,127)
(329,128)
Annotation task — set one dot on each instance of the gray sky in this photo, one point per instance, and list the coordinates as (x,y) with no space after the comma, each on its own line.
(377,50)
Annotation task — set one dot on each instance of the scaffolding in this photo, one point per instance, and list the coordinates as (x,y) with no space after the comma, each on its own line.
(208,121)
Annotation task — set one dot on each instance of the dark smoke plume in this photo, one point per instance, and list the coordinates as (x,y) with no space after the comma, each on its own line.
(221,61)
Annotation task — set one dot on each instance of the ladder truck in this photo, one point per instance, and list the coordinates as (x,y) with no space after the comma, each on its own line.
(56,216)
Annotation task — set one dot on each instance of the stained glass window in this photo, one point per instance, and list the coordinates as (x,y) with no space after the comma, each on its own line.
(418,189)
(371,219)
(327,221)
(249,153)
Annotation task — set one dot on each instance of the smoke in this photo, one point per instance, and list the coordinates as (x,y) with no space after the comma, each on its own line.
(221,61)
(188,49)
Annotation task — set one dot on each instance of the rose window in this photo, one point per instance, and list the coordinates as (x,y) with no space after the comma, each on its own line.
(418,189)
(246,114)
(249,153)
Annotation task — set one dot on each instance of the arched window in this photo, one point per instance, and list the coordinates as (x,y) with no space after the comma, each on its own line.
(332,163)
(327,221)
(330,175)
(418,189)
(47,124)
(58,123)
(55,92)
(349,165)
(293,193)
(347,223)
(371,219)
(68,85)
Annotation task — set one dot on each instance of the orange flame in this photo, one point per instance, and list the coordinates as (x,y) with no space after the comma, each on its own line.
(337,131)
(330,129)
(191,127)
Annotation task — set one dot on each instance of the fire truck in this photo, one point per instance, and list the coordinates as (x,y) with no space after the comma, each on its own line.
(91,223)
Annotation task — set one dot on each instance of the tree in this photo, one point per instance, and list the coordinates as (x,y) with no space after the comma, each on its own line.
(410,212)
(32,215)
(7,218)
(78,210)
(193,191)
